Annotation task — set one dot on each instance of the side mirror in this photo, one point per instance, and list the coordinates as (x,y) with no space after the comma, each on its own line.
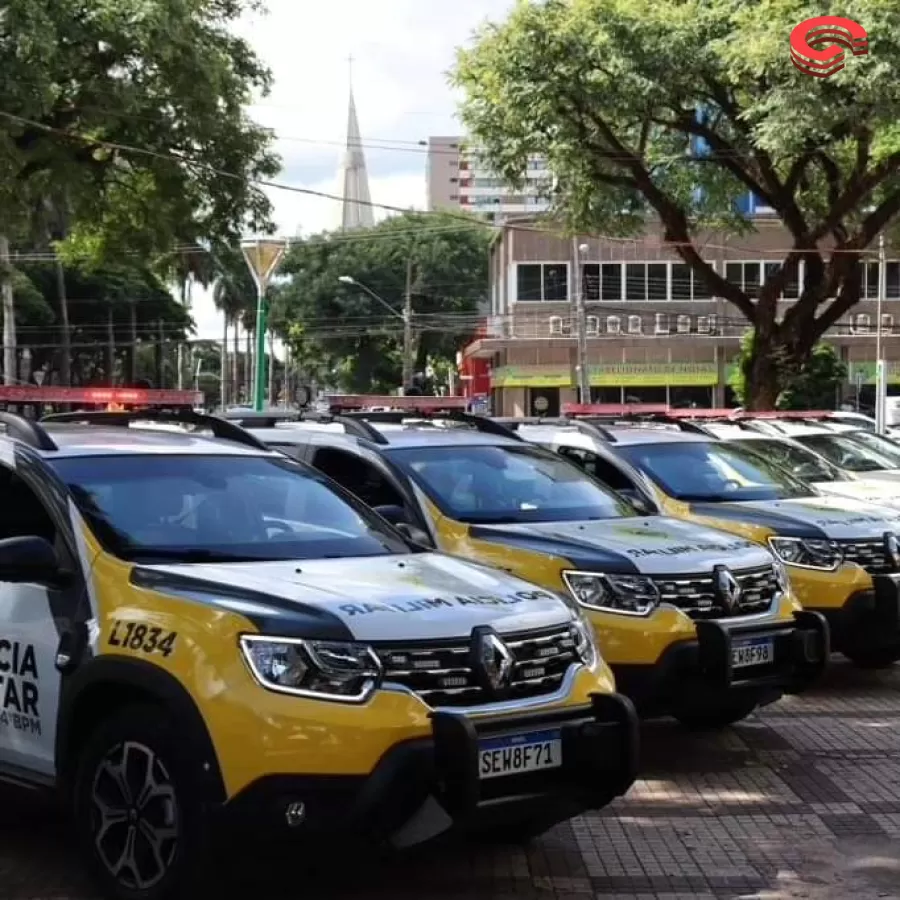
(396,515)
(639,502)
(28,558)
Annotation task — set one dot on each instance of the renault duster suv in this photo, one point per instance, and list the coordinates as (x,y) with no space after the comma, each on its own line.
(694,622)
(842,555)
(197,631)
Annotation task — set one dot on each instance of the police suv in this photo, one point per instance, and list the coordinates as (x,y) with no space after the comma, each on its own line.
(195,630)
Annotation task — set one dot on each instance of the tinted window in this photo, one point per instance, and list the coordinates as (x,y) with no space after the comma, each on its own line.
(700,471)
(507,484)
(220,507)
(884,446)
(844,451)
(799,461)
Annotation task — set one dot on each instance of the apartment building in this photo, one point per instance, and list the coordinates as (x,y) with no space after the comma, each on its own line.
(655,333)
(458,179)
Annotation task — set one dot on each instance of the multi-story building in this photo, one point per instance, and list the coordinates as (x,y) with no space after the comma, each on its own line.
(458,179)
(655,334)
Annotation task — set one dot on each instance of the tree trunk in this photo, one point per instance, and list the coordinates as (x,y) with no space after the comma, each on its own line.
(133,342)
(224,392)
(9,314)
(65,344)
(248,364)
(110,349)
(235,363)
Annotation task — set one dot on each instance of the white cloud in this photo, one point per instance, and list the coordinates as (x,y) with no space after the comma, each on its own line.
(402,50)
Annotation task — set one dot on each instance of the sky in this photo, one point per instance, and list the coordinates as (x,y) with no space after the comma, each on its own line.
(401,51)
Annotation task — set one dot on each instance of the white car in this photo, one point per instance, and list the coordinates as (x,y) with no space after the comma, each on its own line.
(810,466)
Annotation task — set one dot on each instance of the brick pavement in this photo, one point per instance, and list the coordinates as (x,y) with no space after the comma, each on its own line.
(803,801)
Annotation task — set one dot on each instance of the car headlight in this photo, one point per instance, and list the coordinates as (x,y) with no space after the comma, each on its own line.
(630,595)
(585,642)
(342,671)
(807,553)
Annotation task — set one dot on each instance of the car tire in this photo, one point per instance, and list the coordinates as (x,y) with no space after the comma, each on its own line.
(882,658)
(715,717)
(140,818)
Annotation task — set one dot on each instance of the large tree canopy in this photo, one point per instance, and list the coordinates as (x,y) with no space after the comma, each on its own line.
(339,332)
(677,108)
(86,79)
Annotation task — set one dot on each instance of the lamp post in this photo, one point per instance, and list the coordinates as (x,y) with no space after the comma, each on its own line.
(262,257)
(405,317)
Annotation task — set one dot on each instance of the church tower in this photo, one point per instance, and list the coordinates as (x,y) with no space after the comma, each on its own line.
(353,180)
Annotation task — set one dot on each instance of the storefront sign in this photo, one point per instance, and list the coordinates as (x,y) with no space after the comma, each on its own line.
(864,372)
(531,377)
(655,375)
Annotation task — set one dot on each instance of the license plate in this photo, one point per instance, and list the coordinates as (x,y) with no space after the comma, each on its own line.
(517,753)
(758,652)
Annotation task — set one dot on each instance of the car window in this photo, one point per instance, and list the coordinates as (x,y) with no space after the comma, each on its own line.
(507,484)
(845,451)
(225,508)
(882,445)
(800,461)
(701,471)
(597,467)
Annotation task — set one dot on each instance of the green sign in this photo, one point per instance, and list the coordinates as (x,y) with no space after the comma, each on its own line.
(864,372)
(695,374)
(531,376)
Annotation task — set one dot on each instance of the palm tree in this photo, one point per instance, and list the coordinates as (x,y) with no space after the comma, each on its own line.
(233,293)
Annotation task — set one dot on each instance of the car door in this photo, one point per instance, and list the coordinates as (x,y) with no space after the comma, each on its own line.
(36,620)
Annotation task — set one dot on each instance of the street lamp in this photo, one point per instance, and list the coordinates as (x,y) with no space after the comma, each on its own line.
(405,317)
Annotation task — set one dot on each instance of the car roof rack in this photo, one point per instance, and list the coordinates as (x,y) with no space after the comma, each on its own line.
(27,431)
(582,425)
(220,428)
(397,416)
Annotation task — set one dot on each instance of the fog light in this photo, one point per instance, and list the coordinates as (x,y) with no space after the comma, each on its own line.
(294,814)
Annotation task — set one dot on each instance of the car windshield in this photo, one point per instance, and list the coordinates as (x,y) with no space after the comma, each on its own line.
(504,484)
(846,451)
(882,445)
(799,461)
(710,471)
(220,509)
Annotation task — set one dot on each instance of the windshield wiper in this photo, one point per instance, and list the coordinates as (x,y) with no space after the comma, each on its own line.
(190,555)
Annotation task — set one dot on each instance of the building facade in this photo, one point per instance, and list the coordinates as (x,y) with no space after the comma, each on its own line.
(654,333)
(458,179)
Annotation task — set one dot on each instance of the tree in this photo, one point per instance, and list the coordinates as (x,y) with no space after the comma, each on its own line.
(343,334)
(816,385)
(676,108)
(129,116)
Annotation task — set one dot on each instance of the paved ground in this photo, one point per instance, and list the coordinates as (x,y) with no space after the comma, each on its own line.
(801,802)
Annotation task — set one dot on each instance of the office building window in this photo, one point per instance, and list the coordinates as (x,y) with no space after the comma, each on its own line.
(869,286)
(745,275)
(646,281)
(542,281)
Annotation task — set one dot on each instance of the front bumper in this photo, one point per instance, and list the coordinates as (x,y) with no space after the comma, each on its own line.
(869,620)
(704,670)
(599,762)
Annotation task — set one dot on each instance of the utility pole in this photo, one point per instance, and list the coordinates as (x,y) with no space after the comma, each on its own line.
(9,314)
(111,348)
(271,367)
(880,367)
(580,321)
(408,355)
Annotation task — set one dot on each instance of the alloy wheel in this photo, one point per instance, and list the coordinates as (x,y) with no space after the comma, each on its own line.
(135,816)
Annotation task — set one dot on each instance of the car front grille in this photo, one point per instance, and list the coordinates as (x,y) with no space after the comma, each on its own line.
(696,594)
(871,555)
(442,672)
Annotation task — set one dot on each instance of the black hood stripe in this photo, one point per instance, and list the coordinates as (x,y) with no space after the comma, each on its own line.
(578,555)
(269,614)
(782,524)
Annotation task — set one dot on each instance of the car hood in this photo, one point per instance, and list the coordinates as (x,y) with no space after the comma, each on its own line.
(651,545)
(880,493)
(417,597)
(836,518)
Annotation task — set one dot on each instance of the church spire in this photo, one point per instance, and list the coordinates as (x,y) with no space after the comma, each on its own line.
(353,187)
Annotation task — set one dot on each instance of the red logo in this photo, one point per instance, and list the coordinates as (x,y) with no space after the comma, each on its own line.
(833,31)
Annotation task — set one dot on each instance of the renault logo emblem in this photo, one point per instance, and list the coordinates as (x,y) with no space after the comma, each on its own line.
(892,549)
(493,660)
(728,591)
